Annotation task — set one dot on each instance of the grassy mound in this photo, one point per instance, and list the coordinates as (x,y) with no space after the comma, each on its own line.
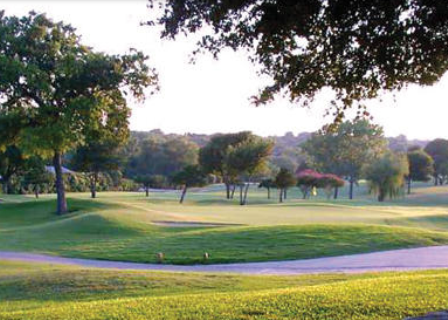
(118,232)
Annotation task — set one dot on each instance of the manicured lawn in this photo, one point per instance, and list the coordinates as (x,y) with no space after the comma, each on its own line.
(38,291)
(123,226)
(119,226)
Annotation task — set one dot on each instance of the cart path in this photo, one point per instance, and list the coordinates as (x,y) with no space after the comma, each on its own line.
(394,260)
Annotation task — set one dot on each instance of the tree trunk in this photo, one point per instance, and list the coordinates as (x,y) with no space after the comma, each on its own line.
(147,191)
(285,193)
(227,190)
(304,192)
(241,194)
(246,189)
(182,196)
(36,191)
(60,188)
(352,181)
(336,193)
(233,191)
(8,189)
(281,196)
(381,196)
(269,193)
(93,181)
(409,185)
(436,180)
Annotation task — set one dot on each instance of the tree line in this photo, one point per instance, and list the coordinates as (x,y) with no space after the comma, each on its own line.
(327,160)
(60,97)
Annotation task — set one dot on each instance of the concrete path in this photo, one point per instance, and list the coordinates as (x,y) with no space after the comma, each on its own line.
(394,260)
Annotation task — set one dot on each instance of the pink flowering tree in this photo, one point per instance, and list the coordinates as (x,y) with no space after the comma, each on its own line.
(330,183)
(307,180)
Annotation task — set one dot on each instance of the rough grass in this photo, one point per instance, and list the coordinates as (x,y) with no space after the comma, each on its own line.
(32,292)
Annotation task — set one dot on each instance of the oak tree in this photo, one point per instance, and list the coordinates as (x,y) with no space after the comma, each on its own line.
(55,91)
(357,48)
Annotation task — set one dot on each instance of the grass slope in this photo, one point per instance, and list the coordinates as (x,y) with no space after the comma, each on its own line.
(44,292)
(124,231)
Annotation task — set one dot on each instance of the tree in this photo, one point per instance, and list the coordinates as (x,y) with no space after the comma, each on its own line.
(438,150)
(357,48)
(268,184)
(284,180)
(347,150)
(307,180)
(421,167)
(324,151)
(12,162)
(213,156)
(245,160)
(190,176)
(56,92)
(162,156)
(36,175)
(331,184)
(95,158)
(151,181)
(386,176)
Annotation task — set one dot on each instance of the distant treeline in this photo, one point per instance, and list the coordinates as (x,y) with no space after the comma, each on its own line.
(154,159)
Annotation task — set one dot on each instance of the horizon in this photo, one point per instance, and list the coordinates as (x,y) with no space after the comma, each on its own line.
(213,95)
(266,136)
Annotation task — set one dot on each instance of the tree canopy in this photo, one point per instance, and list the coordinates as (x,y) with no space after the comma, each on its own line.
(213,156)
(190,176)
(346,151)
(162,156)
(284,180)
(357,48)
(438,150)
(421,167)
(386,175)
(94,158)
(55,92)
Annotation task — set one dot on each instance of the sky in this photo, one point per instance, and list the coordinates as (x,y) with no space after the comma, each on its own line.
(214,95)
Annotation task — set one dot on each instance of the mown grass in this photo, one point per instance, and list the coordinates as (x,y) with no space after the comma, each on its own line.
(121,228)
(44,292)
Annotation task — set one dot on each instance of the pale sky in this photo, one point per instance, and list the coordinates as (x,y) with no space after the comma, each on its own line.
(214,96)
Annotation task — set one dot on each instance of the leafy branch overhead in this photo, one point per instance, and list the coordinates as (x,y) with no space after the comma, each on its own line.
(358,48)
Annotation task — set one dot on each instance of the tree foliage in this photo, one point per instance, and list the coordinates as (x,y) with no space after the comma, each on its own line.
(284,180)
(268,184)
(55,92)
(330,183)
(162,156)
(307,180)
(97,157)
(213,157)
(347,150)
(245,160)
(36,175)
(151,181)
(12,162)
(190,176)
(421,167)
(386,176)
(357,48)
(438,150)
